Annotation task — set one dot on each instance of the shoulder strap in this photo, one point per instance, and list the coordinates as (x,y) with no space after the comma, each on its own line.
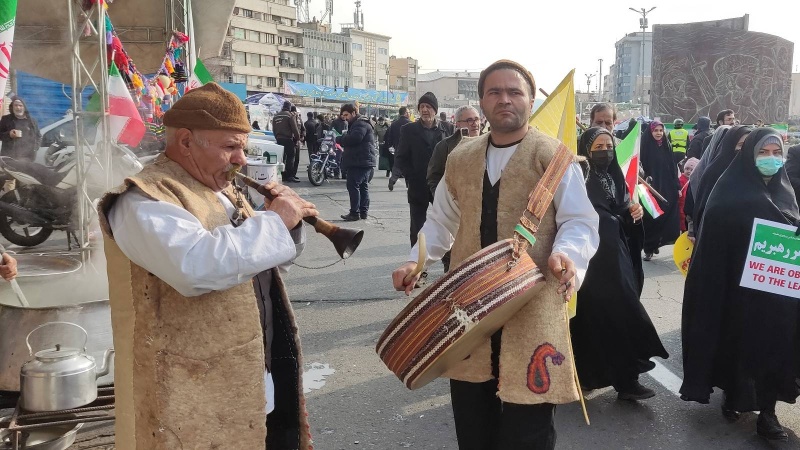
(542,195)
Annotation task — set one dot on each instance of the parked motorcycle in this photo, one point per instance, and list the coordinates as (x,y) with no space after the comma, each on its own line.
(324,164)
(43,197)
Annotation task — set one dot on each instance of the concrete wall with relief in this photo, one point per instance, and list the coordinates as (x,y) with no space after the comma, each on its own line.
(702,68)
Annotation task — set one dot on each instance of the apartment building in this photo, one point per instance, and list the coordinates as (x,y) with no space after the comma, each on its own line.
(263,46)
(370,52)
(403,74)
(327,57)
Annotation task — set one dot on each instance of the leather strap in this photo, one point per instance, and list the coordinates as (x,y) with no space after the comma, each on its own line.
(542,195)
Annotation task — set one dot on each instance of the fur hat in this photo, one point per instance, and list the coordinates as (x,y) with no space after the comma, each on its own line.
(209,107)
(430,99)
(507,64)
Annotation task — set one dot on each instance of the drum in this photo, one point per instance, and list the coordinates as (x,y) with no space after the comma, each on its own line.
(454,315)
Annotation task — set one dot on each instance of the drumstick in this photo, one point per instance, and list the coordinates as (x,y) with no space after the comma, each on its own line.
(575,369)
(422,257)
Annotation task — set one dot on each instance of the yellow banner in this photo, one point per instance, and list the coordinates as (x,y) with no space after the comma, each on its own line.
(556,116)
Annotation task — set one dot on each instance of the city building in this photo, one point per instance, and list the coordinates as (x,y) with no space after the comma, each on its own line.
(327,56)
(452,89)
(403,73)
(263,46)
(370,53)
(627,67)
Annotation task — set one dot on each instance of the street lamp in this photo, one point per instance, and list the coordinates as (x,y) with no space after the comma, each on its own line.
(643,25)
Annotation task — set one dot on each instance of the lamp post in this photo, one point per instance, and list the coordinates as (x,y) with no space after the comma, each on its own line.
(643,25)
(600,80)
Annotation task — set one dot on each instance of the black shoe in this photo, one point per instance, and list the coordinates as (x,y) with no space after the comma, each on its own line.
(768,427)
(350,217)
(656,251)
(391,186)
(647,256)
(363,216)
(634,391)
(728,412)
(295,179)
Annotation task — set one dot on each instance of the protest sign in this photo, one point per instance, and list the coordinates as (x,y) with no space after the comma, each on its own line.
(773,259)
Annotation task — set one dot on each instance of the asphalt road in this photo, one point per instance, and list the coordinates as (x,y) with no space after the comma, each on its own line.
(343,309)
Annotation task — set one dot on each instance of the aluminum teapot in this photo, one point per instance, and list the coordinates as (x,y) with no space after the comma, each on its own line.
(62,377)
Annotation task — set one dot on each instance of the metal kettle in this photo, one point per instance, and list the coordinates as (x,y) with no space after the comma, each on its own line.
(62,377)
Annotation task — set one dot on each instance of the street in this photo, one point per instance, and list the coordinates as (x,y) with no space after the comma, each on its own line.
(343,309)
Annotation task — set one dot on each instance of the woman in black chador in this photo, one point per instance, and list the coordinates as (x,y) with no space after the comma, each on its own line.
(659,165)
(612,336)
(742,340)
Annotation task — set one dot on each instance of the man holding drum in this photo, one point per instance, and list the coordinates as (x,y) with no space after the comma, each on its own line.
(504,394)
(203,328)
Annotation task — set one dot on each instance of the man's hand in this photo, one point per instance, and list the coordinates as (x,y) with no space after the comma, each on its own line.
(399,277)
(15,133)
(288,205)
(564,270)
(8,267)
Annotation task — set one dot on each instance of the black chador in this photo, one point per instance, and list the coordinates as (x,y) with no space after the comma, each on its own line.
(612,335)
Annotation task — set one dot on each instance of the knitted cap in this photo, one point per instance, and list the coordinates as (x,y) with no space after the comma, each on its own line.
(208,107)
(430,99)
(506,64)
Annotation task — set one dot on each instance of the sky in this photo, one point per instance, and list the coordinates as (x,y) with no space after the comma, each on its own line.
(549,38)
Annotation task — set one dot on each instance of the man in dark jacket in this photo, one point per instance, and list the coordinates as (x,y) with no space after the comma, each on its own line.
(417,141)
(286,133)
(19,132)
(703,129)
(358,160)
(311,134)
(392,140)
(467,118)
(449,127)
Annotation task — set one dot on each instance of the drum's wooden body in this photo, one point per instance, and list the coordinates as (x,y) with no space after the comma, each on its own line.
(458,312)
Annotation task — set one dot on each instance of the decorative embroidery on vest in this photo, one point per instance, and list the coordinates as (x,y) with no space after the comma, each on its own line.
(538,375)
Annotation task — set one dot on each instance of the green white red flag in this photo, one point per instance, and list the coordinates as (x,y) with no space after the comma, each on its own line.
(199,77)
(127,126)
(8,18)
(628,158)
(649,202)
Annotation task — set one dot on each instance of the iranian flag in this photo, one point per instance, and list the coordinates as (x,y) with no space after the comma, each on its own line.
(628,158)
(126,124)
(649,202)
(199,77)
(8,17)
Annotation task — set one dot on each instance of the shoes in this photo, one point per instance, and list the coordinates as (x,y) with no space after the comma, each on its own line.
(423,280)
(768,427)
(391,186)
(634,391)
(295,179)
(363,216)
(656,251)
(350,217)
(728,412)
(647,256)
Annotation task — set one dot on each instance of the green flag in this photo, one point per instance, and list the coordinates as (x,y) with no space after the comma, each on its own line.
(8,17)
(200,76)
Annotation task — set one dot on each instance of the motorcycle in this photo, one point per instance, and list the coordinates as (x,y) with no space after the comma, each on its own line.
(324,164)
(43,197)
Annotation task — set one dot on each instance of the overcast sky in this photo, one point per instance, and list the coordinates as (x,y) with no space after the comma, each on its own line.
(548,37)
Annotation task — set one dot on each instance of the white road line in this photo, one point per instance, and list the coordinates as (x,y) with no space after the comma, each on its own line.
(666,378)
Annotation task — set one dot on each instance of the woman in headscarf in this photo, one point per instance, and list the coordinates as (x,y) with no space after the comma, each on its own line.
(19,132)
(659,165)
(612,336)
(742,340)
(728,147)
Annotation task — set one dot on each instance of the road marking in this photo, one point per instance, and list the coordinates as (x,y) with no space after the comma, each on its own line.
(314,378)
(666,378)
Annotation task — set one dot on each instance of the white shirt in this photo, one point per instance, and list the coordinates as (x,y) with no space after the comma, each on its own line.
(576,219)
(172,244)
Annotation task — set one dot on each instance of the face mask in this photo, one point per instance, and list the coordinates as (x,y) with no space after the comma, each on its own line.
(769,165)
(601,159)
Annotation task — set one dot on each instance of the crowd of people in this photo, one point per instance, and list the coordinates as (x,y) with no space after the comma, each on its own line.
(185,325)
